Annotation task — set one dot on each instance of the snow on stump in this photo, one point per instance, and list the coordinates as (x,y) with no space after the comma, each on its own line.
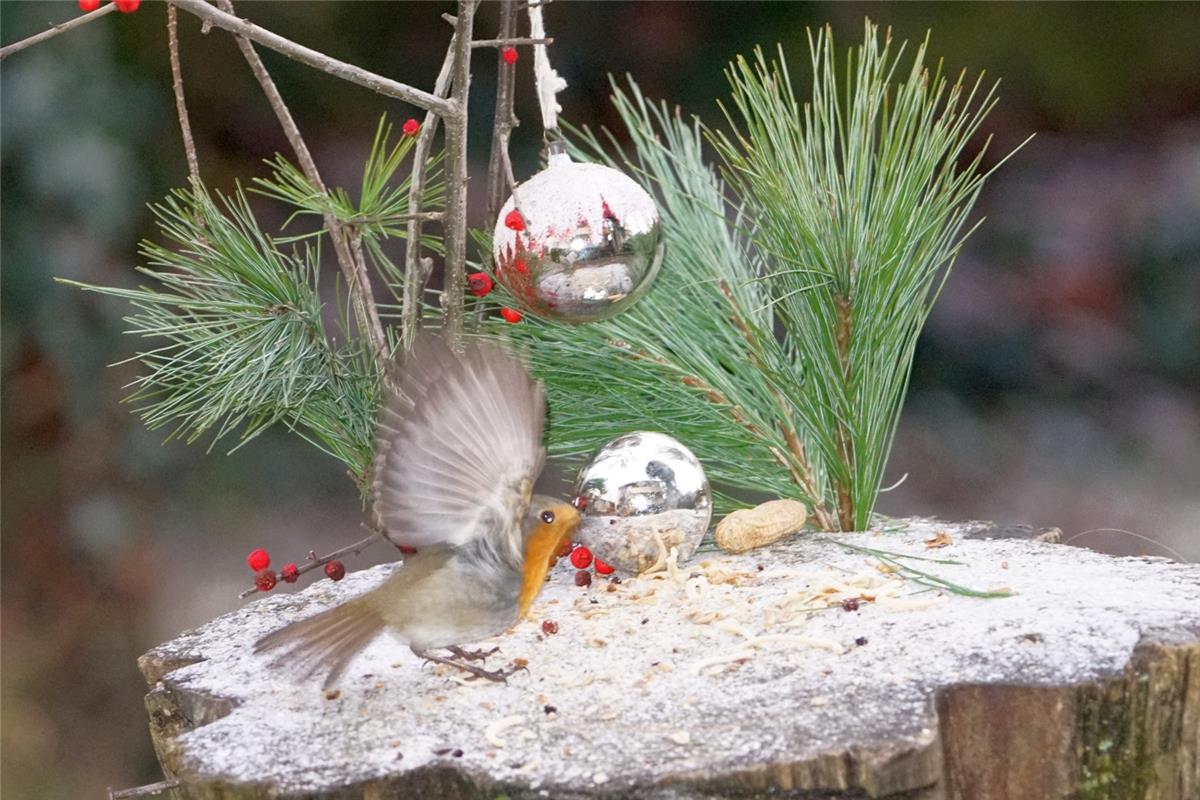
(717,678)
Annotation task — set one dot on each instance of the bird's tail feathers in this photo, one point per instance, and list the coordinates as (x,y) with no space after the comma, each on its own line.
(327,641)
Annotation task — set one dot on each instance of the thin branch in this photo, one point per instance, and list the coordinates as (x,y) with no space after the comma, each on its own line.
(185,126)
(315,59)
(366,314)
(507,41)
(456,177)
(361,287)
(504,121)
(313,561)
(55,30)
(149,790)
(417,269)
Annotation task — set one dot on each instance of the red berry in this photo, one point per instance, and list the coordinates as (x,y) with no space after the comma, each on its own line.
(258,559)
(514,221)
(549,627)
(602,568)
(519,266)
(509,54)
(511,315)
(89,5)
(407,549)
(264,580)
(411,127)
(581,557)
(127,6)
(583,578)
(289,573)
(565,548)
(479,283)
(336,570)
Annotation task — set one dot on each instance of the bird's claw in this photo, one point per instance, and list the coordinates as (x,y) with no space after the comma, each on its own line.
(472,655)
(494,675)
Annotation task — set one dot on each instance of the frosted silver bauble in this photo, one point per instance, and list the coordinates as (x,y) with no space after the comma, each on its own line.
(643,494)
(579,243)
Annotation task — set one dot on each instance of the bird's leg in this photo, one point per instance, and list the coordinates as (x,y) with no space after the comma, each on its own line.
(496,675)
(471,655)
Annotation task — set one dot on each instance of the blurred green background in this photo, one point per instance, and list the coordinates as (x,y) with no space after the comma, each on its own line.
(1058,382)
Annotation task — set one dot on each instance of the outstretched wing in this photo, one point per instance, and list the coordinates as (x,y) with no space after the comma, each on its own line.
(458,446)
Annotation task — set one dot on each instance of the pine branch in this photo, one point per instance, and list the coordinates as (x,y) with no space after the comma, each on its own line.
(778,341)
(859,204)
(694,358)
(242,342)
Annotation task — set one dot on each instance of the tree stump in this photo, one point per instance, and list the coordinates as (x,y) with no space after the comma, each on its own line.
(715,678)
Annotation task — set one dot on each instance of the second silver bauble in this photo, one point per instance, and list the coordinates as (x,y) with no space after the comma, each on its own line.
(643,494)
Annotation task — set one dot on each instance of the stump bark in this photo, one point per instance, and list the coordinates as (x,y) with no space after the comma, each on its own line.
(719,678)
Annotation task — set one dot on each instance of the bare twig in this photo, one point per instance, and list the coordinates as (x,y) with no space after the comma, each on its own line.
(148,790)
(361,288)
(506,40)
(505,120)
(315,59)
(456,177)
(313,560)
(185,126)
(358,284)
(55,30)
(416,268)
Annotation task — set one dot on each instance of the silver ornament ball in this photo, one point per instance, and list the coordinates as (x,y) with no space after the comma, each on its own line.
(585,243)
(641,489)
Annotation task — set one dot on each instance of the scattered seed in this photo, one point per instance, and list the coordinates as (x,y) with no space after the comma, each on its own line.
(850,604)
(549,627)
(333,694)
(860,641)
(549,709)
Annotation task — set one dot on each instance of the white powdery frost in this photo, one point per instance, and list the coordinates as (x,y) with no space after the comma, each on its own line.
(703,670)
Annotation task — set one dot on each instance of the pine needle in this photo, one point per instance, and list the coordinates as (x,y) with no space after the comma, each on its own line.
(242,345)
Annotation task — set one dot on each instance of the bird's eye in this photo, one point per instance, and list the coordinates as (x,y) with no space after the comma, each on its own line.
(547,517)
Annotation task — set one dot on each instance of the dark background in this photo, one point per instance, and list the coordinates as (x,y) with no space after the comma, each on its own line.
(1057,382)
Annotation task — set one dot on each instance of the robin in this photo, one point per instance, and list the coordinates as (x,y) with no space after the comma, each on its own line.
(458,448)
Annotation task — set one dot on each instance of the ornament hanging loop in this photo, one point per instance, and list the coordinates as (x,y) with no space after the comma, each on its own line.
(547,81)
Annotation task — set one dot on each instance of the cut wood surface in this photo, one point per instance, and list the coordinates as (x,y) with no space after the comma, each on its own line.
(718,678)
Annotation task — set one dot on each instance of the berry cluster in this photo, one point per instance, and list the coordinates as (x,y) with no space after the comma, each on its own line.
(259,561)
(581,559)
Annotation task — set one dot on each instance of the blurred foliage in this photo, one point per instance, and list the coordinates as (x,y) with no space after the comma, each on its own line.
(1056,383)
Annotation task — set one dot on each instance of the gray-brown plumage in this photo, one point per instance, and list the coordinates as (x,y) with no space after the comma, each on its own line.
(458,448)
